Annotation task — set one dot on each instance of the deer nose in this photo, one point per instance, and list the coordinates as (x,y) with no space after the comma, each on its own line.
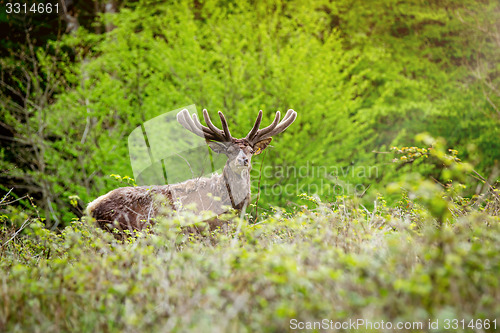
(243,161)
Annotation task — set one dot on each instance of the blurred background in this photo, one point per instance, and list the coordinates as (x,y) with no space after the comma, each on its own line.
(363,76)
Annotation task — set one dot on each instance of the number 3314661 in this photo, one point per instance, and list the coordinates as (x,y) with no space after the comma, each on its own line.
(36,8)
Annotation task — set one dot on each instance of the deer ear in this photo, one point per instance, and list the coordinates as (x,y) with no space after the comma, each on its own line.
(217,147)
(261,145)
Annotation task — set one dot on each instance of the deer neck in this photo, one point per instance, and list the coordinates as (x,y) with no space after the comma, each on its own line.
(238,186)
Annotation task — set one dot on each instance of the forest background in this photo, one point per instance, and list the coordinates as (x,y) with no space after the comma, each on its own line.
(380,202)
(363,76)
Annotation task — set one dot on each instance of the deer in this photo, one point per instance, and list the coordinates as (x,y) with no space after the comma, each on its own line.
(135,208)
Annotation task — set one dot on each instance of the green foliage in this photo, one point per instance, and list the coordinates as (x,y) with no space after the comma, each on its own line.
(329,239)
(432,256)
(337,261)
(363,76)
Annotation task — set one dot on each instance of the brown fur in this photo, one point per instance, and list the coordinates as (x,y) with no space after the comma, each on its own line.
(134,208)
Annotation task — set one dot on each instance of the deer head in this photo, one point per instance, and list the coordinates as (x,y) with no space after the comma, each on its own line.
(238,151)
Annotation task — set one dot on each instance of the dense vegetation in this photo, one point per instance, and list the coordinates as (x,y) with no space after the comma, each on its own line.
(434,257)
(359,214)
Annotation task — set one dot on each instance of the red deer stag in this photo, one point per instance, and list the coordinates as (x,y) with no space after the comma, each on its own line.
(132,208)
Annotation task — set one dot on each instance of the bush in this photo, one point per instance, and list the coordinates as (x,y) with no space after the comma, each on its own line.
(337,261)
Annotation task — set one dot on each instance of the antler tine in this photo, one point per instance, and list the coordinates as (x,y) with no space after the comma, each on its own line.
(274,128)
(260,133)
(269,128)
(200,130)
(189,122)
(224,126)
(194,126)
(287,121)
(255,128)
(184,120)
(198,124)
(217,132)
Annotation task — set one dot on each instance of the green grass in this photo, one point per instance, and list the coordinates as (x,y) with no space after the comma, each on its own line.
(337,261)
